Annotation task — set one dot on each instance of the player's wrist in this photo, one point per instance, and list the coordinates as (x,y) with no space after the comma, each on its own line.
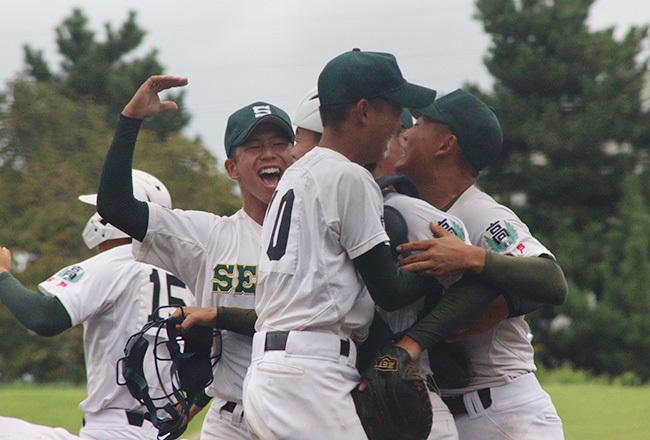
(214,315)
(130,114)
(410,346)
(476,259)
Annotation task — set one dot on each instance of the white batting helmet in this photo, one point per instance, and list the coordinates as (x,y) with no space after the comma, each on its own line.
(307,114)
(146,188)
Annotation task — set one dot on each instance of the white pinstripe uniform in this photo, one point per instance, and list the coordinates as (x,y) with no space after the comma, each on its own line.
(502,358)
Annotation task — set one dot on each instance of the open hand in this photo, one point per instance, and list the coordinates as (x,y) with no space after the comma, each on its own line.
(146,102)
(443,256)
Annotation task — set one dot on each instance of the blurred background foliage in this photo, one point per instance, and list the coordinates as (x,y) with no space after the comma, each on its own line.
(55,128)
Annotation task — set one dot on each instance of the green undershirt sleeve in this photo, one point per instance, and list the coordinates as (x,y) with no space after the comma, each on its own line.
(237,320)
(462,301)
(536,279)
(389,287)
(41,314)
(519,307)
(115,201)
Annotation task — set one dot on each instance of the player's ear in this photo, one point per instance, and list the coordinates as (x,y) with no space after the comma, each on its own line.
(361,111)
(449,144)
(232,168)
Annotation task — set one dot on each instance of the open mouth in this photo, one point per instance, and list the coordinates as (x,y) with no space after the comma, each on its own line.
(270,176)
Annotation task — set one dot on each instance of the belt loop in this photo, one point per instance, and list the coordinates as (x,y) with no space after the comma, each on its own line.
(237,415)
(473,404)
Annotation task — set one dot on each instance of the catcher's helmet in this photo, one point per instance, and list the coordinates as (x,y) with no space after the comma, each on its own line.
(183,368)
(307,114)
(146,188)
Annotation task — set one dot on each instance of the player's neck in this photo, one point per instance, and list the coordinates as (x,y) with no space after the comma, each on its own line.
(444,186)
(253,207)
(110,244)
(343,144)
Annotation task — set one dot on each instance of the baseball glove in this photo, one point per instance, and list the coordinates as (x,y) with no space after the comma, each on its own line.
(396,404)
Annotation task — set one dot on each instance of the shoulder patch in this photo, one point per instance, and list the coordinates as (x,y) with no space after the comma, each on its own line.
(500,235)
(72,274)
(452,226)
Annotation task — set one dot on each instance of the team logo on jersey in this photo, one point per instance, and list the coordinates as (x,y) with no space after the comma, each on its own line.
(502,235)
(234,279)
(453,227)
(386,363)
(72,274)
(261,110)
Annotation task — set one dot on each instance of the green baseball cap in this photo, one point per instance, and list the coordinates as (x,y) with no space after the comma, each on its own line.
(472,121)
(242,123)
(406,120)
(357,75)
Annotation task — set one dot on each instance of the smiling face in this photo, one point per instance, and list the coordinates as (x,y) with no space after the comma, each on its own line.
(423,141)
(259,162)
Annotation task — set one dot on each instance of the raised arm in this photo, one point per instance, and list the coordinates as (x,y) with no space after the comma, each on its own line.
(115,201)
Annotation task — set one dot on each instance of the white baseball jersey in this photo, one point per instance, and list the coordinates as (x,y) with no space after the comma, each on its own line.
(504,352)
(418,214)
(16,429)
(217,258)
(113,296)
(326,211)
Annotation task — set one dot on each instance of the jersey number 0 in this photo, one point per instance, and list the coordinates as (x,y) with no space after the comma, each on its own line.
(280,235)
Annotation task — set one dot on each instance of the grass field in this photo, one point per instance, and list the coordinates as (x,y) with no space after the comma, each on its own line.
(55,405)
(589,411)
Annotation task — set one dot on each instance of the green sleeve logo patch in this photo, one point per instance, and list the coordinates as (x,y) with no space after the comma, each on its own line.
(72,274)
(500,235)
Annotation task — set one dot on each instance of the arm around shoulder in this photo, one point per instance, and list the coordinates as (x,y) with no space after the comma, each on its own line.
(539,279)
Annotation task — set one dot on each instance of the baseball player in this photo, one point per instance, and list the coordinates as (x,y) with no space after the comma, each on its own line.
(15,429)
(417,215)
(453,139)
(216,256)
(323,225)
(112,296)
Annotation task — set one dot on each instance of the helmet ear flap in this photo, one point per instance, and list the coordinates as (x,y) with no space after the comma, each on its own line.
(98,230)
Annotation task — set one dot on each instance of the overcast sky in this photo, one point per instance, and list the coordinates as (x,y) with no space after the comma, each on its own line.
(236,52)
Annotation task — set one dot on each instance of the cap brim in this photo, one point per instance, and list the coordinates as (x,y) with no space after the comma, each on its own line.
(266,119)
(411,96)
(90,199)
(431,112)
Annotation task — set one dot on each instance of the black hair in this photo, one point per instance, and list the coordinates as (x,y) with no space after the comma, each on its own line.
(333,115)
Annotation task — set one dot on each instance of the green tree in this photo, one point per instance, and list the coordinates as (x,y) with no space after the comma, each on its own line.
(568,98)
(611,334)
(97,72)
(51,150)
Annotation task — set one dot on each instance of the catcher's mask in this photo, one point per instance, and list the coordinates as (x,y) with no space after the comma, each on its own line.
(189,365)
